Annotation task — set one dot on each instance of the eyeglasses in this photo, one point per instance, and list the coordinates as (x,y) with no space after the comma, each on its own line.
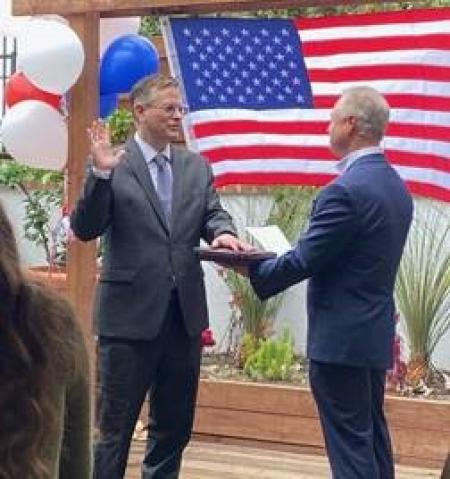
(170,110)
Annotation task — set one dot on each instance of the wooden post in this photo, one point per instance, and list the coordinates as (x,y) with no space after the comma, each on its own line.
(83,108)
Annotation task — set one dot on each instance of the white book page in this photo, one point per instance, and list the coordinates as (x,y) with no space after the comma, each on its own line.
(270,238)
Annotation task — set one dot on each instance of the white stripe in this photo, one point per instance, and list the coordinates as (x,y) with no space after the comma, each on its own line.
(419,117)
(424,175)
(395,57)
(426,147)
(398,115)
(438,148)
(405,87)
(261,139)
(292,114)
(379,30)
(421,175)
(274,166)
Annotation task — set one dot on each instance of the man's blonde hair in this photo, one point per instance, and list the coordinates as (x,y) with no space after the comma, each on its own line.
(143,91)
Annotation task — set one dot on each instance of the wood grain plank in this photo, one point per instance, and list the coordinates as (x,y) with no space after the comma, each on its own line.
(203,460)
(120,8)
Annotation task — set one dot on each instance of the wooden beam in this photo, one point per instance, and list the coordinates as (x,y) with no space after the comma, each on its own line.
(83,108)
(119,8)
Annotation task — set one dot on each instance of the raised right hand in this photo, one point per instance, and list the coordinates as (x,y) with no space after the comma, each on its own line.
(103,155)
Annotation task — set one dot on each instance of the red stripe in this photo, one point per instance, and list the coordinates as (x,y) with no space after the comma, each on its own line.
(400,16)
(436,41)
(267,152)
(242,127)
(272,179)
(380,72)
(417,160)
(430,191)
(417,102)
(273,152)
(424,132)
(235,127)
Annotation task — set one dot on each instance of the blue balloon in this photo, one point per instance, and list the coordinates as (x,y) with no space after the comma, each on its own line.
(108,103)
(126,60)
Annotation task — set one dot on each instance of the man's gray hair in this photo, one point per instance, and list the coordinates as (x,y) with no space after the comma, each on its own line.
(370,109)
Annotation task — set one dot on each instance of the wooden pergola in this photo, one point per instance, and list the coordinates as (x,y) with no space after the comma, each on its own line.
(84,17)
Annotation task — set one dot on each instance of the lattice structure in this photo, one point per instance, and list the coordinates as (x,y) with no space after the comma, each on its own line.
(8,63)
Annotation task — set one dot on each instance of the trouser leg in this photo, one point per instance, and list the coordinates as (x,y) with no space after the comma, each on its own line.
(123,384)
(344,400)
(381,438)
(172,399)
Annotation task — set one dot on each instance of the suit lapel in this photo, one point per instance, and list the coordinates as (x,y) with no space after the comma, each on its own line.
(139,169)
(178,163)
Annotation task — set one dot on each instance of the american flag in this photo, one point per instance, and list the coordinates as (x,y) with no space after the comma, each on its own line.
(260,92)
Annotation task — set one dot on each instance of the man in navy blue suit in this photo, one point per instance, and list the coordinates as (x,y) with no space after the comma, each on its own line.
(351,252)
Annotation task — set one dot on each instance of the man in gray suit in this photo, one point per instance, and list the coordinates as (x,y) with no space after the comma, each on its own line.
(152,202)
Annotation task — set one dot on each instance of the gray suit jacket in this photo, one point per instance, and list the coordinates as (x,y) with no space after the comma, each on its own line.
(145,259)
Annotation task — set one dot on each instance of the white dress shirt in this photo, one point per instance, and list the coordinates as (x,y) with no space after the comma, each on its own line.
(348,160)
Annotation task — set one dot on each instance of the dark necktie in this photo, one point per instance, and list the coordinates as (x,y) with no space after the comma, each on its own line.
(164,184)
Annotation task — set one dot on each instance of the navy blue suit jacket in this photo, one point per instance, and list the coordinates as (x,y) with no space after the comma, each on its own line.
(351,252)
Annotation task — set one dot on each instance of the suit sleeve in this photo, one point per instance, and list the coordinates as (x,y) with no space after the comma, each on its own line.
(217,220)
(93,211)
(76,460)
(333,223)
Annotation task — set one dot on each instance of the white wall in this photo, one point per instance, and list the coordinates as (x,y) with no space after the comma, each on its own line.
(12,201)
(251,211)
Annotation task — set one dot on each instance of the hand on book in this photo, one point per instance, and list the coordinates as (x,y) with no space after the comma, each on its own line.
(231,242)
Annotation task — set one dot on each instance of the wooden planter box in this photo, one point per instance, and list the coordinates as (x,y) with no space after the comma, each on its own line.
(56,278)
(286,417)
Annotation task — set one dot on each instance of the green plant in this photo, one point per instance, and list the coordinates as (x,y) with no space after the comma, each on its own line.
(121,125)
(42,191)
(423,286)
(289,211)
(273,360)
(248,346)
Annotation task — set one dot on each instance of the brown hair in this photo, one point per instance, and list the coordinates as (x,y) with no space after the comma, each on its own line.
(142,91)
(39,346)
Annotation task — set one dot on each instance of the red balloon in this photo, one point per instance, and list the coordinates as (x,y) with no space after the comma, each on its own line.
(19,88)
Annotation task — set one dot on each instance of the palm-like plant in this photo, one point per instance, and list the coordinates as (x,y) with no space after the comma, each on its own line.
(423,287)
(251,316)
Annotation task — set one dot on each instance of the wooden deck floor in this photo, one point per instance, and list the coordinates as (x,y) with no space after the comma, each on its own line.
(204,460)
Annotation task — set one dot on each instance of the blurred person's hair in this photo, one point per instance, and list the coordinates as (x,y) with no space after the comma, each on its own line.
(39,346)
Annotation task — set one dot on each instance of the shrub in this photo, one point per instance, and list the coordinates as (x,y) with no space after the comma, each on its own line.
(273,360)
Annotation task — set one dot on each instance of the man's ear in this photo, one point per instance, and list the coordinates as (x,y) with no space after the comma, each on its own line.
(352,124)
(138,110)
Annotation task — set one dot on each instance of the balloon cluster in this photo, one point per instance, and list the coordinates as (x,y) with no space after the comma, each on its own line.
(51,58)
(125,61)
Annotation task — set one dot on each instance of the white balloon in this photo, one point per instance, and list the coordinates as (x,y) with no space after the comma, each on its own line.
(111,28)
(50,55)
(35,134)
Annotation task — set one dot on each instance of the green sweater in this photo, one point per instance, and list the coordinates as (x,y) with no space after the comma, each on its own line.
(70,451)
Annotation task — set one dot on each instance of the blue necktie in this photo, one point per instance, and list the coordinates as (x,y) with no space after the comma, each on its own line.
(164,184)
